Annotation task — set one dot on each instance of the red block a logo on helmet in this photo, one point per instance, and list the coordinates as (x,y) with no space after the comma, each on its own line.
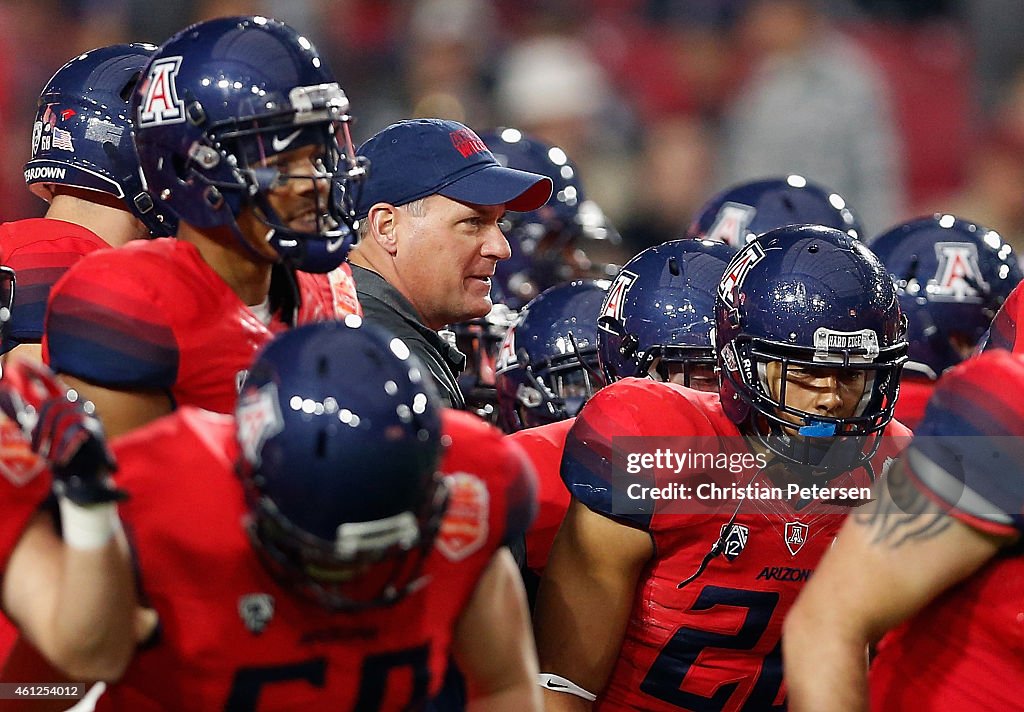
(160,102)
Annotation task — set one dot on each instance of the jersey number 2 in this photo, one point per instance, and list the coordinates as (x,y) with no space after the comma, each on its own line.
(665,678)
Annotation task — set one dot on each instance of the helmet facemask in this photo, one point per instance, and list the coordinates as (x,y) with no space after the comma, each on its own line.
(555,389)
(310,117)
(827,445)
(370,564)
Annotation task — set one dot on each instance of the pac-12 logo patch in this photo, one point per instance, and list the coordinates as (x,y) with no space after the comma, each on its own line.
(465,524)
(160,102)
(734,540)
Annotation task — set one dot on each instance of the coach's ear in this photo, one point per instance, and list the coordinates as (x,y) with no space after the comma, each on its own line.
(381,222)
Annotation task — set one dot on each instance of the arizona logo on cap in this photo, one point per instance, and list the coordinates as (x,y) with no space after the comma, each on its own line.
(467,143)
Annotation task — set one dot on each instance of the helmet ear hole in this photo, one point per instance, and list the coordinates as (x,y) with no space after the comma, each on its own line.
(628,345)
(213,197)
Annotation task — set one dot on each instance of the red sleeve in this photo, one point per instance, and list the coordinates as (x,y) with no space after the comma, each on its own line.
(327,296)
(544,445)
(1002,334)
(968,452)
(40,251)
(106,323)
(630,408)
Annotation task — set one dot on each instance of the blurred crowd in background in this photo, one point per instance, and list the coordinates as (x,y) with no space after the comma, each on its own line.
(904,107)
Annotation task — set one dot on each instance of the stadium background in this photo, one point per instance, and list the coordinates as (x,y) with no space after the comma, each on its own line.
(650,97)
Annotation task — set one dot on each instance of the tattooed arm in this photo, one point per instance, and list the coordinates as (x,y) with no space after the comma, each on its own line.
(891,558)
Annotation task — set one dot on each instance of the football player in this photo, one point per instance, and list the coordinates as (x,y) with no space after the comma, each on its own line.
(56,587)
(933,559)
(85,166)
(659,315)
(654,322)
(330,543)
(254,158)
(547,369)
(547,363)
(743,211)
(687,593)
(952,276)
(83,163)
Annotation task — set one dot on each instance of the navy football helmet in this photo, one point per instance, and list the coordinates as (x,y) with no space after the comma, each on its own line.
(480,339)
(82,135)
(547,365)
(217,103)
(660,311)
(738,214)
(811,300)
(339,460)
(548,244)
(952,275)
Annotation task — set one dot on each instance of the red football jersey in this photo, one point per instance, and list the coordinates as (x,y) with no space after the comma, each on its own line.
(1003,333)
(914,395)
(232,638)
(153,315)
(24,485)
(705,628)
(965,650)
(327,296)
(40,251)
(543,445)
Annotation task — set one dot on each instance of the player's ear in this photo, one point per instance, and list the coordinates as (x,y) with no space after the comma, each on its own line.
(382,221)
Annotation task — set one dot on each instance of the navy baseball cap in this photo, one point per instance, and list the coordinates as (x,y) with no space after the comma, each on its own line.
(420,157)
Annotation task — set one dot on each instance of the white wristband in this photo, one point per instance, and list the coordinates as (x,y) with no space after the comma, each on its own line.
(556,683)
(88,528)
